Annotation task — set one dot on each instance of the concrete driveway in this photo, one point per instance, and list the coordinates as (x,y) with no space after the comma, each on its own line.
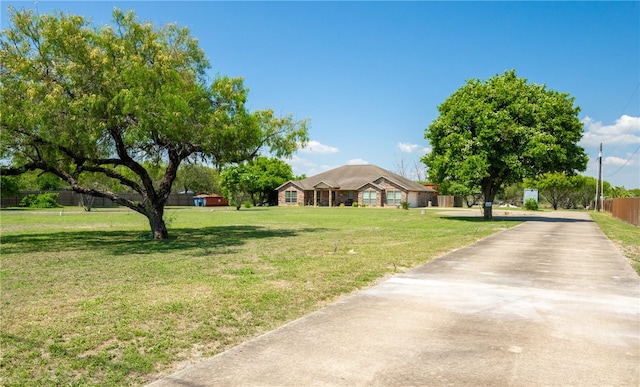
(550,302)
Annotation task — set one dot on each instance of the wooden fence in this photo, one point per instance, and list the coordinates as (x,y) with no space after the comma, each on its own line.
(71,198)
(449,201)
(627,209)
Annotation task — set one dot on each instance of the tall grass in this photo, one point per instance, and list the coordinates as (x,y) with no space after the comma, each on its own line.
(624,235)
(86,298)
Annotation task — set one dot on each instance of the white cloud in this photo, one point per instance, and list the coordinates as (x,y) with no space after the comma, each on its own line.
(307,167)
(299,162)
(406,147)
(617,161)
(626,130)
(357,162)
(318,148)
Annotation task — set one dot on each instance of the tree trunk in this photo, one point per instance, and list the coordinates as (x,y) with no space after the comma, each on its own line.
(487,205)
(156,221)
(488,212)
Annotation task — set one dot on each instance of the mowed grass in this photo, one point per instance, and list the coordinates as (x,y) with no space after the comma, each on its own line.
(624,235)
(87,299)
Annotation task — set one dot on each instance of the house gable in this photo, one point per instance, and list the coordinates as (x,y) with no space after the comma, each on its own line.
(325,185)
(290,194)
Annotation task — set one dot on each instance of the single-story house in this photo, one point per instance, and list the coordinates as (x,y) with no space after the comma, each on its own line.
(209,200)
(364,184)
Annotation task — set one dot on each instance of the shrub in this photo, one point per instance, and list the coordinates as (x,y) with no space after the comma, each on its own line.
(531,204)
(27,200)
(247,204)
(45,200)
(404,205)
(354,204)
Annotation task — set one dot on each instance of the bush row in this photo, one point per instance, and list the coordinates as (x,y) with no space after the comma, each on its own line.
(45,200)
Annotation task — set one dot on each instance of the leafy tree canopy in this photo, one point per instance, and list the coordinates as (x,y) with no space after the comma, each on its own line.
(256,180)
(556,187)
(120,100)
(634,192)
(9,185)
(197,178)
(270,173)
(499,131)
(236,182)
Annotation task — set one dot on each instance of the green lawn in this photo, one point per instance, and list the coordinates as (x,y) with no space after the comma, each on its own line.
(624,235)
(88,299)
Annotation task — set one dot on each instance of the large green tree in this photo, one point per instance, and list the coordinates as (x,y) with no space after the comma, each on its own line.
(236,182)
(255,180)
(269,173)
(557,188)
(80,99)
(585,190)
(197,178)
(496,132)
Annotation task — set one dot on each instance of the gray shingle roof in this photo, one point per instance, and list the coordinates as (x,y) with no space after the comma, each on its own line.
(353,177)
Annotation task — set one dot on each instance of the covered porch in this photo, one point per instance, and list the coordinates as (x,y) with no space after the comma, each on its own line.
(327,195)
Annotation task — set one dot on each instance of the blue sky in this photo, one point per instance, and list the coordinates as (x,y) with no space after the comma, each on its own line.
(370,75)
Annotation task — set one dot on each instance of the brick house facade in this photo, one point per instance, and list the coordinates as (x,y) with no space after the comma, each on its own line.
(366,185)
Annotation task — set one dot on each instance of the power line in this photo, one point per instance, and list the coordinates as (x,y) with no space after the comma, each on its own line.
(632,95)
(625,163)
(620,138)
(617,143)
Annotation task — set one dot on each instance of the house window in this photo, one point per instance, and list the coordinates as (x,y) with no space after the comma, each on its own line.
(369,197)
(291,196)
(394,198)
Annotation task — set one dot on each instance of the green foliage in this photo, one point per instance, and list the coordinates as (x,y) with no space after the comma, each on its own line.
(268,174)
(40,181)
(618,192)
(45,200)
(576,191)
(531,204)
(27,200)
(49,182)
(236,182)
(354,204)
(623,234)
(634,192)
(468,194)
(585,191)
(512,194)
(123,105)
(497,132)
(247,204)
(257,180)
(197,178)
(555,187)
(9,185)
(404,205)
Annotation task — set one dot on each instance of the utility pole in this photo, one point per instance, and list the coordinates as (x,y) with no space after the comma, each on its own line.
(599,187)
